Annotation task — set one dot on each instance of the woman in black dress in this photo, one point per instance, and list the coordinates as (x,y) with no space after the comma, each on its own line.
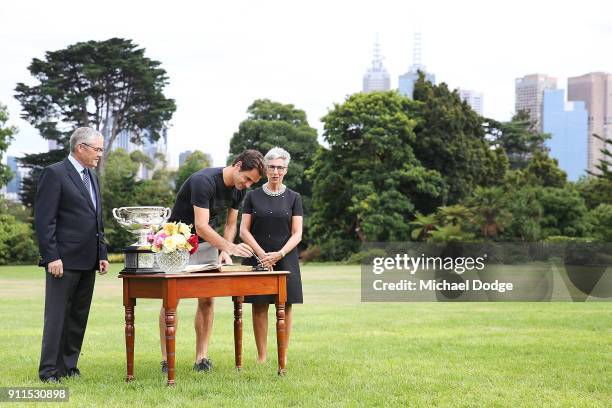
(272,225)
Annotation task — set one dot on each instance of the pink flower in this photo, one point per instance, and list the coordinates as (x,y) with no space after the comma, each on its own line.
(159,239)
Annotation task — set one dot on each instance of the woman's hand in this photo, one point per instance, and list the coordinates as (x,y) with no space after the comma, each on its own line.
(270,259)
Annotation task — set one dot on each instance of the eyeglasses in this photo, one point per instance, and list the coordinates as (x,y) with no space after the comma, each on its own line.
(279,168)
(97,149)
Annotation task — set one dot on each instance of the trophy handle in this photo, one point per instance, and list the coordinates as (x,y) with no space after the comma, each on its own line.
(167,212)
(116,212)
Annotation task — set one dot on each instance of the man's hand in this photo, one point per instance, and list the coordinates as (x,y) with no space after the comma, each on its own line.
(103,267)
(56,268)
(242,250)
(225,258)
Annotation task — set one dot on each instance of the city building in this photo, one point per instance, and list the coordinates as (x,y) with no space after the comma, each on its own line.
(567,123)
(377,78)
(407,80)
(123,141)
(473,98)
(157,151)
(595,90)
(13,187)
(529,95)
(183,156)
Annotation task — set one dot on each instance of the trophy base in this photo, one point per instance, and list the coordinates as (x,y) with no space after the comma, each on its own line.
(139,261)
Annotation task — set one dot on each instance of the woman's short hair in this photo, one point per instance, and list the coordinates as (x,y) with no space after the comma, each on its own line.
(277,153)
(83,135)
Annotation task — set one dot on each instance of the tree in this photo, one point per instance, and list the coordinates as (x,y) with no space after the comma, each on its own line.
(194,162)
(454,215)
(271,124)
(17,243)
(117,188)
(595,191)
(519,138)
(450,233)
(422,226)
(108,85)
(36,162)
(542,170)
(526,215)
(121,189)
(450,139)
(605,162)
(6,136)
(489,208)
(564,212)
(368,185)
(601,219)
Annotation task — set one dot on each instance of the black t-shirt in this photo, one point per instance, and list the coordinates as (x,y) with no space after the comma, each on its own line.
(205,189)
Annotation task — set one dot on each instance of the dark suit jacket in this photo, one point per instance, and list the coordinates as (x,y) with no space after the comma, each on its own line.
(68,226)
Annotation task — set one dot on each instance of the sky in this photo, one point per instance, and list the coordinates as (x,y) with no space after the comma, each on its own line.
(221,56)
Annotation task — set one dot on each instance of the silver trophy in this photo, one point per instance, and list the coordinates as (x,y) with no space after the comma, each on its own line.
(139,220)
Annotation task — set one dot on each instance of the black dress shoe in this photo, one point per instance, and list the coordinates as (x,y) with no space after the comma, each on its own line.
(50,379)
(73,372)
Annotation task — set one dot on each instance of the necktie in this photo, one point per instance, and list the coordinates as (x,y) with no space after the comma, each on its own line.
(87,183)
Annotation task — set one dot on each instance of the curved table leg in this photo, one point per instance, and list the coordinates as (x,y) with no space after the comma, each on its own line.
(238,330)
(129,304)
(170,305)
(281,337)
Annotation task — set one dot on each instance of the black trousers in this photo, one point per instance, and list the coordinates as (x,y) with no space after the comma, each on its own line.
(67,302)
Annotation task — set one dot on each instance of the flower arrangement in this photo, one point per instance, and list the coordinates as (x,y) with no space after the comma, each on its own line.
(172,236)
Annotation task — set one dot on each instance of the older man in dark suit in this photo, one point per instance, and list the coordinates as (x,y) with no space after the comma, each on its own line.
(68,217)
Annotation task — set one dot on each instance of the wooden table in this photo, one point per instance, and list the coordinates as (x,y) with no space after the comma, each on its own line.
(172,287)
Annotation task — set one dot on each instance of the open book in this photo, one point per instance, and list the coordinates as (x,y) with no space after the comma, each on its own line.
(213,267)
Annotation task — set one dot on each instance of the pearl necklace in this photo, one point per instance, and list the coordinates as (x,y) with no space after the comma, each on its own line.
(271,193)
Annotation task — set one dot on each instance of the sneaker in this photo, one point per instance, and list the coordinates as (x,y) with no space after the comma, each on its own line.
(164,367)
(204,365)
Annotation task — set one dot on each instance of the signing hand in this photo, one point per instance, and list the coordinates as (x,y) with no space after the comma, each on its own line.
(241,250)
(56,268)
(225,258)
(103,267)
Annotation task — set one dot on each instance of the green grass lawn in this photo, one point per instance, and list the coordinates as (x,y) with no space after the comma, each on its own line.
(342,352)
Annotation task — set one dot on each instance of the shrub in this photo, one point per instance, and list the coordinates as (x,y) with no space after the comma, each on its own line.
(17,243)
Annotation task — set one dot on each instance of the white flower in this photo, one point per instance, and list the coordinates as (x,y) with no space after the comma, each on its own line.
(169,244)
(180,241)
(184,229)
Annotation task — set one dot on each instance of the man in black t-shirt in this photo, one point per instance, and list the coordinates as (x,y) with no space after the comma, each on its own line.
(199,202)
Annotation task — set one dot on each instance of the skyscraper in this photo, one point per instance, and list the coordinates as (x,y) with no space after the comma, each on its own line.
(567,124)
(407,80)
(376,78)
(595,90)
(529,95)
(13,187)
(473,98)
(183,156)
